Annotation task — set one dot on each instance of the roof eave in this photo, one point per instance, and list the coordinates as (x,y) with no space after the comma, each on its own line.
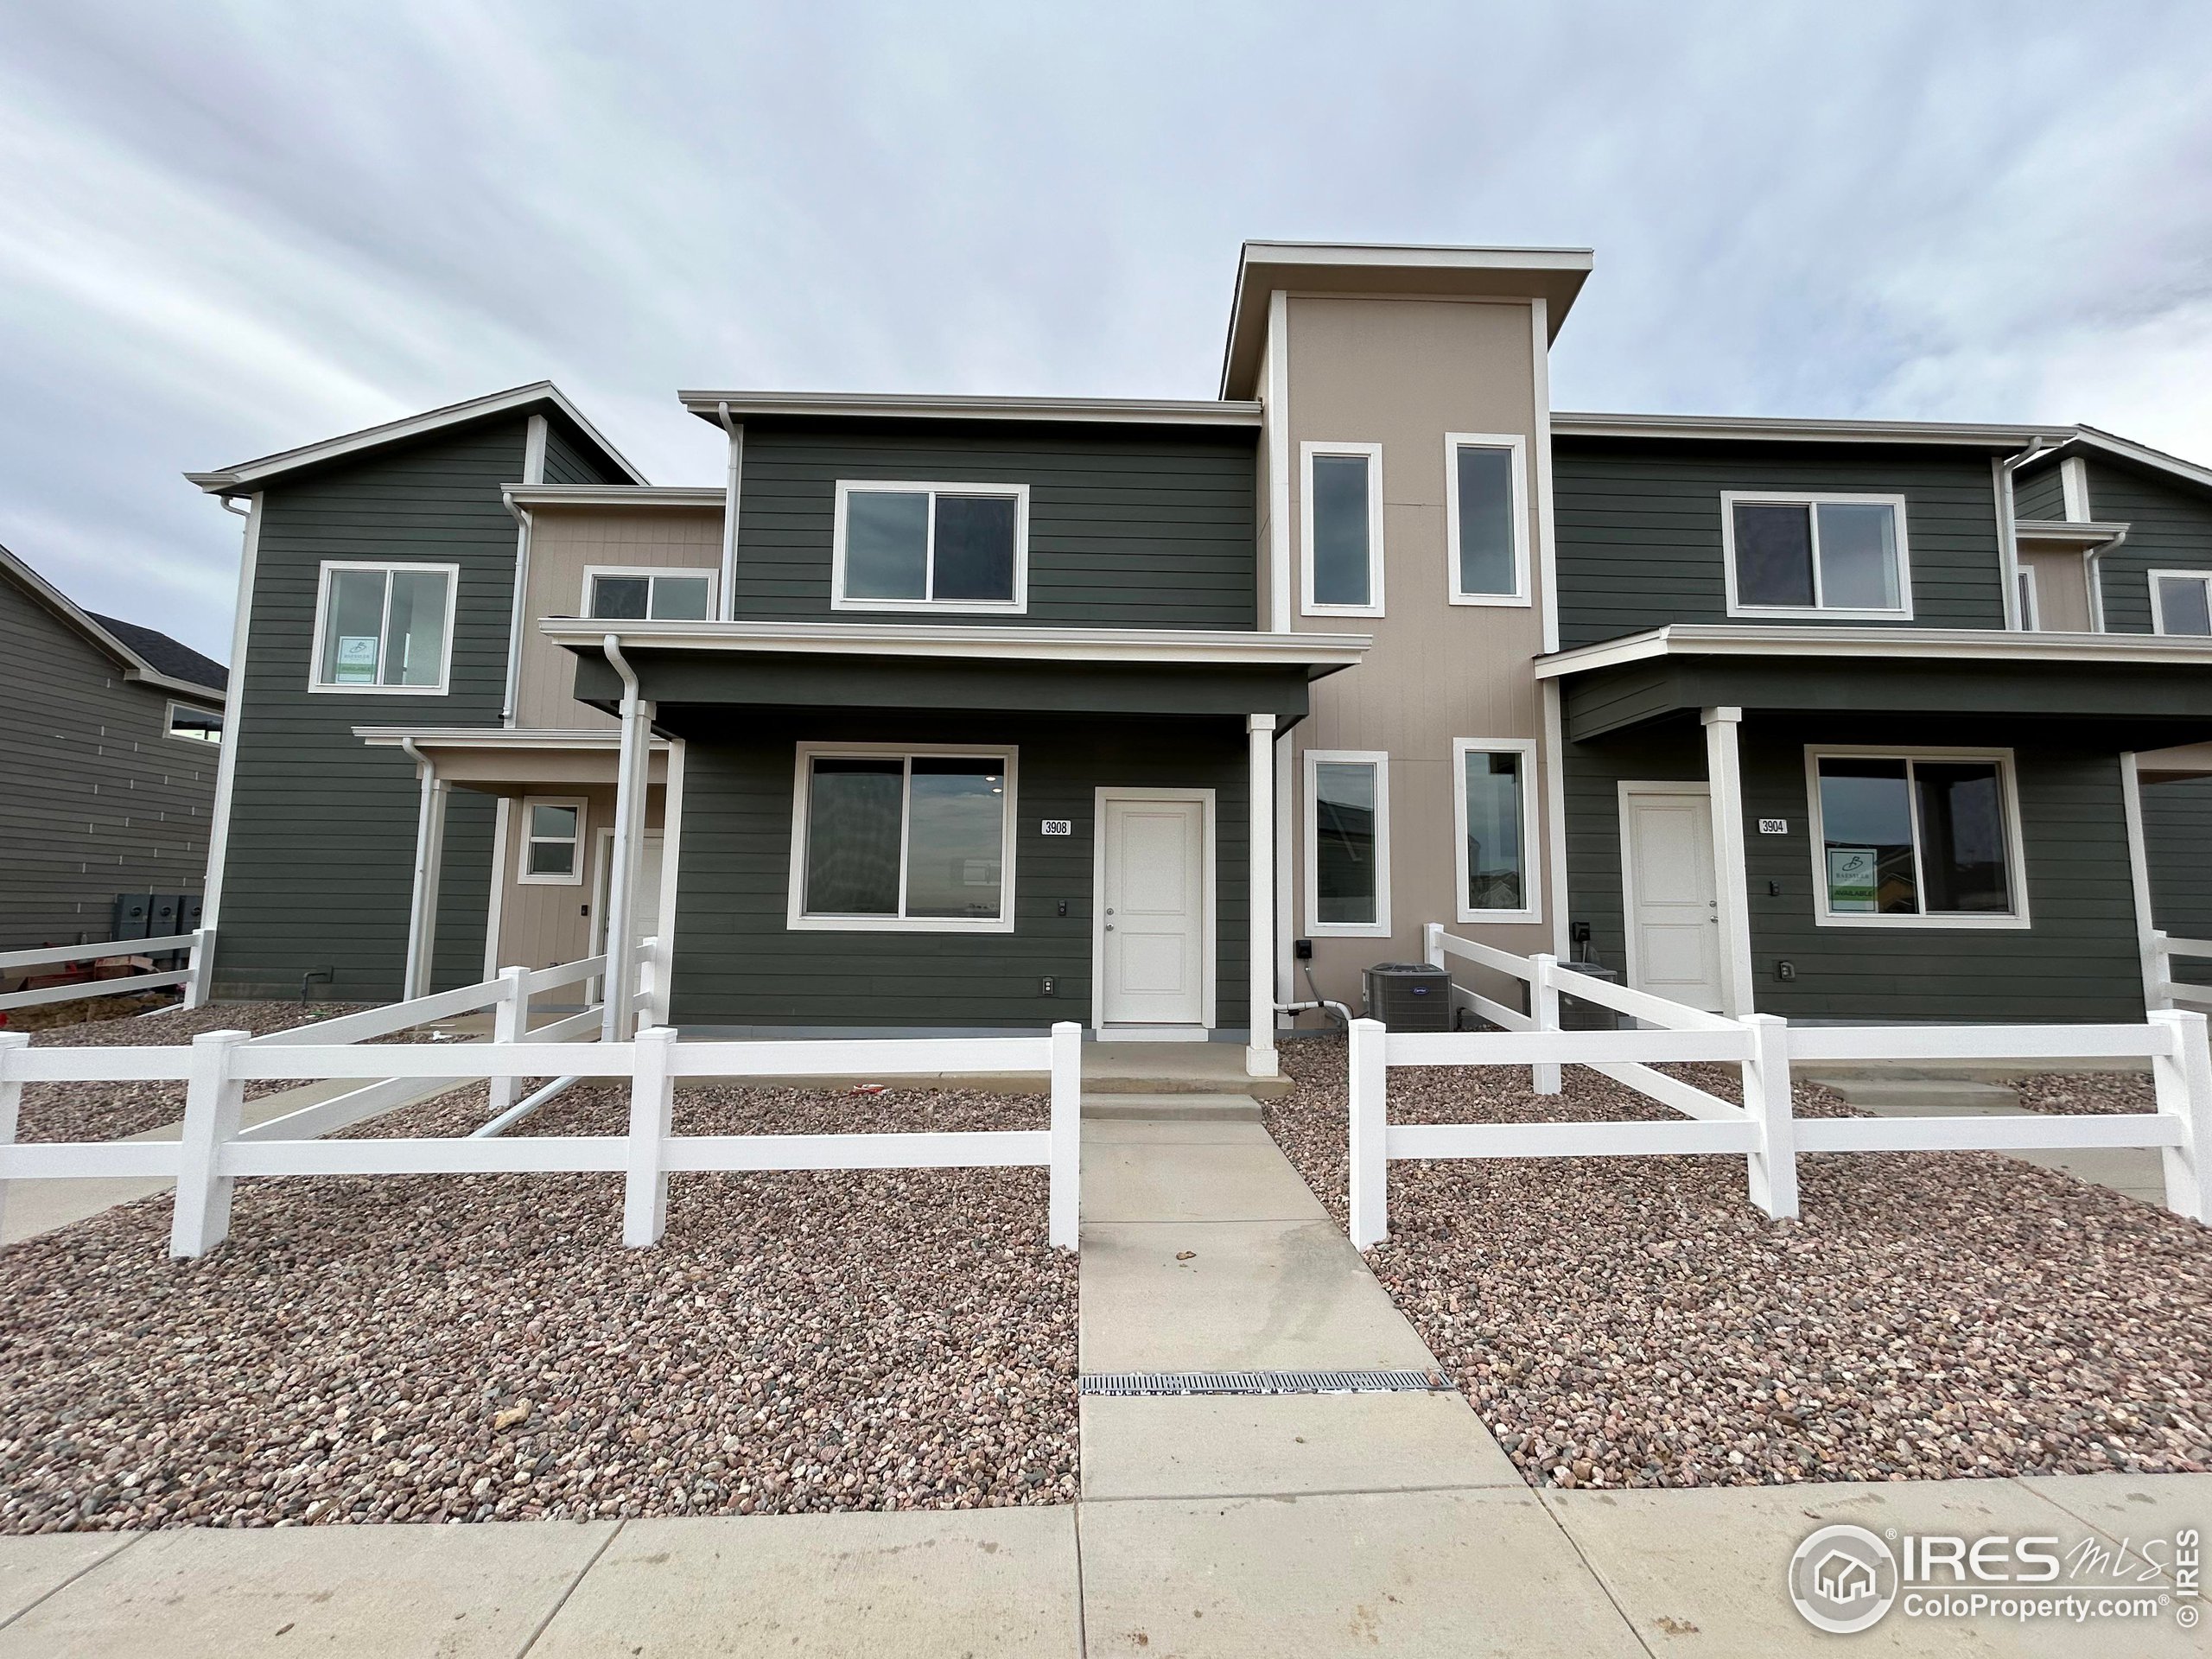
(710,406)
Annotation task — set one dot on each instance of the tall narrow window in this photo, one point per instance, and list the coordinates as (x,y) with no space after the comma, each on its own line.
(1495,810)
(2181,601)
(1817,554)
(657,595)
(903,547)
(384,627)
(1342,533)
(552,841)
(885,839)
(1917,838)
(1487,518)
(1347,842)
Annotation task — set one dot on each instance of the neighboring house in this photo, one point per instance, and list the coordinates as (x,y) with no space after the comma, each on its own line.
(111,738)
(973,713)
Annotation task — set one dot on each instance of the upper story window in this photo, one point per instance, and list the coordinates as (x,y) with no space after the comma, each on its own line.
(935,547)
(1916,838)
(385,628)
(885,837)
(1834,556)
(195,725)
(1486,512)
(1343,528)
(659,595)
(2181,601)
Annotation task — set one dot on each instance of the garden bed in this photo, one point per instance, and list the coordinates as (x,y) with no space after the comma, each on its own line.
(1636,1322)
(440,1348)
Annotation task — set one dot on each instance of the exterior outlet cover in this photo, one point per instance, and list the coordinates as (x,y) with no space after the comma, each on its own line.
(1785,970)
(1044,986)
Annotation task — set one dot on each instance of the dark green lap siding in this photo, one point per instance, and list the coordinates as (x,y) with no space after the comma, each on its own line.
(1128,526)
(2177,837)
(2078,960)
(320,865)
(1639,530)
(2169,528)
(738,964)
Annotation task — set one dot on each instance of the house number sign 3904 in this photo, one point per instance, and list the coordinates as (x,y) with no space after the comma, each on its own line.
(1774,826)
(1059,826)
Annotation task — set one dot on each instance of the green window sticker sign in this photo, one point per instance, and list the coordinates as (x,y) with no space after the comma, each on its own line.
(357,659)
(1850,878)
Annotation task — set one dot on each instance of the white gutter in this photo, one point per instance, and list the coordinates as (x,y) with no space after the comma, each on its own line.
(729,511)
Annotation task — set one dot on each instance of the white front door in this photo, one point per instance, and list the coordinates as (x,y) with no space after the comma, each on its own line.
(1151,914)
(1674,908)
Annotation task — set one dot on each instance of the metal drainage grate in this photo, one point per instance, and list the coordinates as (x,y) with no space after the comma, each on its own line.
(1129,1383)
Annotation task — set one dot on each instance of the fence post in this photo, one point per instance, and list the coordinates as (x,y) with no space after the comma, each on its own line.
(2183,1080)
(1370,1084)
(11,1101)
(652,1111)
(1768,1103)
(1063,1215)
(201,1218)
(2158,969)
(1543,1008)
(648,983)
(510,1024)
(1431,944)
(201,963)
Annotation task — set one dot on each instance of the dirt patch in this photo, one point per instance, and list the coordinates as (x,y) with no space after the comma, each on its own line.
(1635,1322)
(438,1348)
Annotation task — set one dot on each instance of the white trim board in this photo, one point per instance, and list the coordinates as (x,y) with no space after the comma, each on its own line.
(955,639)
(1147,411)
(1209,969)
(1308,813)
(1716,640)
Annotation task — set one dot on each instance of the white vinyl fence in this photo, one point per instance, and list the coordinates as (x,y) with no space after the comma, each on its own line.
(2166,949)
(199,947)
(214,1150)
(1765,1130)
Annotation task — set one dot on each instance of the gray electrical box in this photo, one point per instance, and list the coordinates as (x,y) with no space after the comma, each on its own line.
(1409,996)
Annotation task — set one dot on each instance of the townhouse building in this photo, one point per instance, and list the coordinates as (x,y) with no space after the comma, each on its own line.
(973,714)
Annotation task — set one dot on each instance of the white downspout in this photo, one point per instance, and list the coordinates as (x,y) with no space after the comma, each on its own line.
(2096,579)
(736,432)
(422,906)
(622,952)
(226,763)
(508,713)
(2008,530)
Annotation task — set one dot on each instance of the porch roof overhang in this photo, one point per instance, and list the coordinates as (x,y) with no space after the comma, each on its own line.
(956,666)
(503,760)
(2137,692)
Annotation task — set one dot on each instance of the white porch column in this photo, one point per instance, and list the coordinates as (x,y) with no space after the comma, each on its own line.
(429,858)
(1260,737)
(632,778)
(1725,782)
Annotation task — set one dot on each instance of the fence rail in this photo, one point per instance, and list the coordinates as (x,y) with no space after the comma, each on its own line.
(198,946)
(1765,1129)
(2177,993)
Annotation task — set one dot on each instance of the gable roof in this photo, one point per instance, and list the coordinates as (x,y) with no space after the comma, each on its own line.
(534,398)
(146,654)
(2089,440)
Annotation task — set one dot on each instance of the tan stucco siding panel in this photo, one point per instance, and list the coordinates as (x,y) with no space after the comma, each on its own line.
(565,542)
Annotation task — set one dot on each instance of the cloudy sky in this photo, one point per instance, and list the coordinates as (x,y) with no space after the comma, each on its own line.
(230,229)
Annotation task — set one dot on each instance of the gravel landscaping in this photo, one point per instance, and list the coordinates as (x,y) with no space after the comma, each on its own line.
(2087,1093)
(1635,1322)
(114,1111)
(440,1348)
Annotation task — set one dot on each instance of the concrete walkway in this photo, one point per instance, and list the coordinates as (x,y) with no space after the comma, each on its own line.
(1313,1524)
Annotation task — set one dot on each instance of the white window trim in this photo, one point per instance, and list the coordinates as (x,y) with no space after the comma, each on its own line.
(2158,605)
(1518,446)
(2031,600)
(1380,927)
(1019,604)
(1730,498)
(2015,849)
(594,572)
(452,573)
(795,915)
(524,875)
(1531,878)
(170,732)
(1372,454)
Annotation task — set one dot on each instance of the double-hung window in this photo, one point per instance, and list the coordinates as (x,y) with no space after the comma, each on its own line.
(552,841)
(383,628)
(2181,601)
(1838,555)
(1486,517)
(1916,838)
(1342,520)
(930,547)
(195,725)
(1347,843)
(1494,810)
(638,595)
(892,837)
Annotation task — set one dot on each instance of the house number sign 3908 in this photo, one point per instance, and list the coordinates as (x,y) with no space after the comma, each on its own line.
(1059,826)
